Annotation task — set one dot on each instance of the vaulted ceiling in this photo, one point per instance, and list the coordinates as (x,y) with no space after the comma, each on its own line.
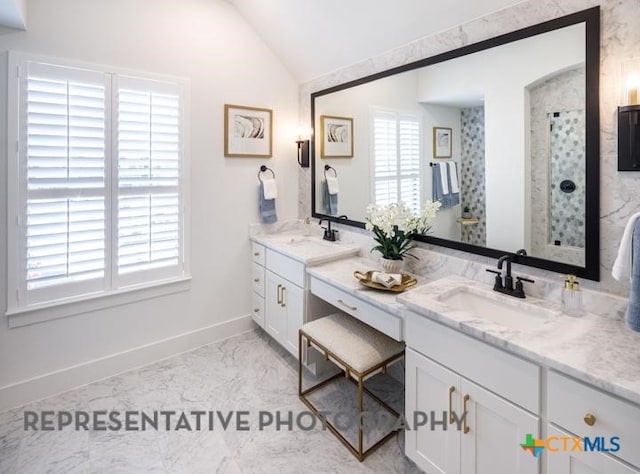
(315,37)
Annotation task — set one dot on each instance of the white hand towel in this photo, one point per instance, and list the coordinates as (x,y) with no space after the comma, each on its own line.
(453,174)
(270,188)
(622,265)
(443,178)
(389,280)
(332,183)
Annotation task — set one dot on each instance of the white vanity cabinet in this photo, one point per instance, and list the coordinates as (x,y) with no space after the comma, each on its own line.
(284,313)
(258,284)
(446,370)
(582,410)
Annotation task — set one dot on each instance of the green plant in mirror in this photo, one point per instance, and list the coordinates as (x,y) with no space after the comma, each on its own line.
(395,225)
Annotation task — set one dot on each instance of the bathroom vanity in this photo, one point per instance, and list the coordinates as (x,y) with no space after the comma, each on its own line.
(546,375)
(280,290)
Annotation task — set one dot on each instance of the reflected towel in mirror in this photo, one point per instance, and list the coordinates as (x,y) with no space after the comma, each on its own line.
(444,177)
(329,201)
(332,184)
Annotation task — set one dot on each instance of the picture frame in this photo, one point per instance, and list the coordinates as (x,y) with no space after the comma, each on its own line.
(336,137)
(442,141)
(248,131)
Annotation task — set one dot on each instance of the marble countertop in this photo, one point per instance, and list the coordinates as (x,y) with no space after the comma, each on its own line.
(340,274)
(598,350)
(310,250)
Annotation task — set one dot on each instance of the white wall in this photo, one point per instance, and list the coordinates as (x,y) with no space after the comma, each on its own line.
(13,14)
(504,88)
(207,42)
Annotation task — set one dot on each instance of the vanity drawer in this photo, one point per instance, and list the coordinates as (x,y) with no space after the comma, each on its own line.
(258,279)
(509,376)
(258,253)
(571,402)
(286,267)
(257,309)
(375,317)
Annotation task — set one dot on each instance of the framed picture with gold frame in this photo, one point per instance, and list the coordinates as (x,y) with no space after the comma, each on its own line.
(248,131)
(336,137)
(442,139)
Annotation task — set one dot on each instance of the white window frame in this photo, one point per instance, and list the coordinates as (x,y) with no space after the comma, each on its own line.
(398,177)
(118,290)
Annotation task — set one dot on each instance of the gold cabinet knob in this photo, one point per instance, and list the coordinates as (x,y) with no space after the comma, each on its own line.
(590,419)
(255,254)
(256,310)
(256,280)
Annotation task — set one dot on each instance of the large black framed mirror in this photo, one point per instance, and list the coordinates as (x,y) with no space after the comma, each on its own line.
(513,120)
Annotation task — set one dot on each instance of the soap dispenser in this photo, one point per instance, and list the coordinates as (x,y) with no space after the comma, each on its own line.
(571,297)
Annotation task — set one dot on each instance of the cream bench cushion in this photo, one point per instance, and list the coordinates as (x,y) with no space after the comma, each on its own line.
(359,346)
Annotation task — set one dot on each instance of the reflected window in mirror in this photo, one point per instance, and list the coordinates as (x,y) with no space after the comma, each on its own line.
(397,145)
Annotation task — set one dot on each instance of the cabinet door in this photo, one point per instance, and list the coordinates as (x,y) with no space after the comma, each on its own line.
(431,388)
(574,462)
(293,300)
(275,314)
(496,428)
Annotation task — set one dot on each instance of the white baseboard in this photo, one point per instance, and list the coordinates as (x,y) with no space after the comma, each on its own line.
(59,381)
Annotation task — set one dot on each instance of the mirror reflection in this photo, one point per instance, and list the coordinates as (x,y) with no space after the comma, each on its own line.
(498,137)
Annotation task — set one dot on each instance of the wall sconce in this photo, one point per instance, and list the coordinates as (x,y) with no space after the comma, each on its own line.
(629,118)
(304,134)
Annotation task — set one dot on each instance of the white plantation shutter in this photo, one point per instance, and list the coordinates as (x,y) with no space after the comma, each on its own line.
(98,205)
(396,164)
(63,138)
(149,153)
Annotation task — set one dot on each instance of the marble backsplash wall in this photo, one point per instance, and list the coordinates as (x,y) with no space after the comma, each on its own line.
(620,42)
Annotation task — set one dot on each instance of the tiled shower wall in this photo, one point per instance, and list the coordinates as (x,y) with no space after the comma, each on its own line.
(620,41)
(472,187)
(557,155)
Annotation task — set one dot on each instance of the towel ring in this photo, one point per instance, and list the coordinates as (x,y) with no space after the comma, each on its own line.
(263,168)
(327,168)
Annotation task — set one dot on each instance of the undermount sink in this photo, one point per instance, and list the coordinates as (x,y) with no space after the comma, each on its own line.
(505,310)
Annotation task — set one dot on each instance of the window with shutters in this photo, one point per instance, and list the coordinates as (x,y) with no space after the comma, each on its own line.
(98,205)
(396,140)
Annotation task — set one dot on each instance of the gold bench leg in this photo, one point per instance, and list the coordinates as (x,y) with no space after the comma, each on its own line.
(358,452)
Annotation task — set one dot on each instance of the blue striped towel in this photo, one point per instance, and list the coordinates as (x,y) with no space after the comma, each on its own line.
(267,207)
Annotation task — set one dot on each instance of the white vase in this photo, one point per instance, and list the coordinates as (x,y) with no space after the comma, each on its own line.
(391,266)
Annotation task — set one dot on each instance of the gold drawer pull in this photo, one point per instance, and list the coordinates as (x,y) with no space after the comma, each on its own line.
(256,280)
(451,390)
(465,413)
(282,303)
(352,308)
(590,419)
(279,295)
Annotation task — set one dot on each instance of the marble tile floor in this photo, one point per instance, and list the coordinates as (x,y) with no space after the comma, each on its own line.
(248,372)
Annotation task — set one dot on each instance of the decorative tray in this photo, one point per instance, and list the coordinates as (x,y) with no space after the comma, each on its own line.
(365,279)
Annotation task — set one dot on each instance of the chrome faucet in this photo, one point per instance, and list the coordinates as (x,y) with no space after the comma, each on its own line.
(506,286)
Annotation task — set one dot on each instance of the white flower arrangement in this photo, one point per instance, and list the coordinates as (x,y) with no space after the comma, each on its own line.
(395,225)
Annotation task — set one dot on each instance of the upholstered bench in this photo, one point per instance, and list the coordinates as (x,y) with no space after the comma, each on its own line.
(360,352)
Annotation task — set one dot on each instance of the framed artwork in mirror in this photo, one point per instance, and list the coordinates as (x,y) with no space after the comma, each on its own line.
(248,131)
(337,137)
(442,138)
